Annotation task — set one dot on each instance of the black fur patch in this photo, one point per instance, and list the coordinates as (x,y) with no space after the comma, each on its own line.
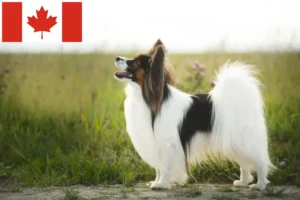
(197,119)
(167,93)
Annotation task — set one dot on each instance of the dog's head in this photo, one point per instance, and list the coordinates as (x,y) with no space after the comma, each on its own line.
(150,71)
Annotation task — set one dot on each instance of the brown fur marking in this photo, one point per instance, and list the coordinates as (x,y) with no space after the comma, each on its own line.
(140,76)
(152,72)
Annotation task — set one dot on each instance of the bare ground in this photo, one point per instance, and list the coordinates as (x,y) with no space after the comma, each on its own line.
(141,191)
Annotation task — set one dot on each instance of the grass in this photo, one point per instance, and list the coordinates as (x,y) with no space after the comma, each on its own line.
(272,192)
(225,189)
(223,197)
(190,192)
(71,194)
(62,119)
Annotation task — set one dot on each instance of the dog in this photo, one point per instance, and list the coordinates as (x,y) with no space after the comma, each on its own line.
(171,129)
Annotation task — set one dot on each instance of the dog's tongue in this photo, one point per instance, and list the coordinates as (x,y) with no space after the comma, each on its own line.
(123,75)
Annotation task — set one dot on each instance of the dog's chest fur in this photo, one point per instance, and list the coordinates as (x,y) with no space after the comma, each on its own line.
(139,127)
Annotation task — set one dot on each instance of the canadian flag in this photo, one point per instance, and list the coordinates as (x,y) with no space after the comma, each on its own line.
(41,20)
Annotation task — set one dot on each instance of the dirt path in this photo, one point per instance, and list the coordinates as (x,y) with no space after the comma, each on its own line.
(140,191)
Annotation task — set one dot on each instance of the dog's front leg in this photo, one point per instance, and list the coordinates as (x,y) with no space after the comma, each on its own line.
(166,168)
(156,178)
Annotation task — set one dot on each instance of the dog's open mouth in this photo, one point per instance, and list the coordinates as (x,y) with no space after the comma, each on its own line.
(123,75)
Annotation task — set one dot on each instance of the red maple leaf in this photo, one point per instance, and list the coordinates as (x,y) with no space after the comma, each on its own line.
(41,23)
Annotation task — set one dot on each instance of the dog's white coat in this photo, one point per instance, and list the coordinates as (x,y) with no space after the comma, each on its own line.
(239,130)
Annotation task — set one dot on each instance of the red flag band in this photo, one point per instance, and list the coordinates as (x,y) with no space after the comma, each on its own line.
(11,22)
(71,22)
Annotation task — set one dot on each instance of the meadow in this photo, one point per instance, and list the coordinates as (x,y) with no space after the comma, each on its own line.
(62,119)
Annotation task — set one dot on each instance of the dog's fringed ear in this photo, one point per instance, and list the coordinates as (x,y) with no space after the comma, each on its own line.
(158,42)
(155,80)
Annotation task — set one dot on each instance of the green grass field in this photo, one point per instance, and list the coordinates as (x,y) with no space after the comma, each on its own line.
(62,119)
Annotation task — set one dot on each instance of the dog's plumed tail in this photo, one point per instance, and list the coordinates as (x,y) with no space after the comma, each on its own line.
(239,126)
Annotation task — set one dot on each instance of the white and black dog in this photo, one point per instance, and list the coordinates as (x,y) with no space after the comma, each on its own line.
(170,129)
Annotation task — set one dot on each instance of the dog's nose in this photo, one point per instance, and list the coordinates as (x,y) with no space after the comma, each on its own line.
(118,58)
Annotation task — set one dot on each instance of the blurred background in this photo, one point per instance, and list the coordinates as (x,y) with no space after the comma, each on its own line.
(61,110)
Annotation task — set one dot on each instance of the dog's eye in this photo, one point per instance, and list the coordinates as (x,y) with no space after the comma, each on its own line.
(135,63)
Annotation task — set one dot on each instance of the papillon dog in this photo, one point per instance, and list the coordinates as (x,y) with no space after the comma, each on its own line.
(171,129)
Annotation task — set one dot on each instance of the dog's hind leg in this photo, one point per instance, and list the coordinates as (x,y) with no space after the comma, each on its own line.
(245,178)
(262,172)
(258,161)
(248,162)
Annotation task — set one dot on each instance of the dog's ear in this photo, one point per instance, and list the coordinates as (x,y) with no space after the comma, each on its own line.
(154,84)
(158,42)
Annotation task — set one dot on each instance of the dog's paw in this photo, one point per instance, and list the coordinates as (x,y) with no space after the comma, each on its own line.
(150,183)
(239,183)
(257,186)
(159,186)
